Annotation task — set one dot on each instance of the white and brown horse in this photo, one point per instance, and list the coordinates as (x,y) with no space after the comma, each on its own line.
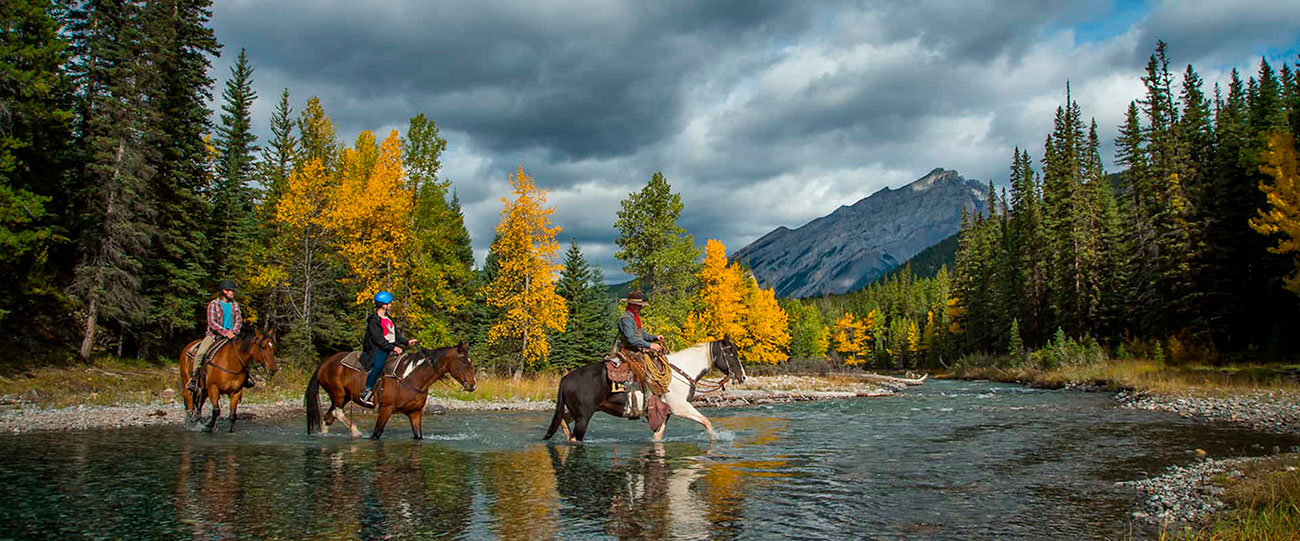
(585,390)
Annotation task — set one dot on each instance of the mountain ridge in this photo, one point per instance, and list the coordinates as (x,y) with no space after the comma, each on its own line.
(856,244)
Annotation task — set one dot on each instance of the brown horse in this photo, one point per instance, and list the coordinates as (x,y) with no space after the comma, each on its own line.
(225,372)
(402,395)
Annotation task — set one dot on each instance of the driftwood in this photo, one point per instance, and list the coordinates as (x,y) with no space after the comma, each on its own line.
(894,380)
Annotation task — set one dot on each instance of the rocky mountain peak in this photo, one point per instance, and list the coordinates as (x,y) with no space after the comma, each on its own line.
(858,243)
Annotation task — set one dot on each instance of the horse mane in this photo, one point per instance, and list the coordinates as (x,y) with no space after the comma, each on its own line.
(247,336)
(438,353)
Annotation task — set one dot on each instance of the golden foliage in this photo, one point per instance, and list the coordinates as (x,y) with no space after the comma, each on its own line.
(767,327)
(1281,217)
(721,296)
(852,337)
(524,288)
(370,215)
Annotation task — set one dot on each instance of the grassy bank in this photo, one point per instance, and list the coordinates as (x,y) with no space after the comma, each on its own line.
(1264,503)
(1141,376)
(113,381)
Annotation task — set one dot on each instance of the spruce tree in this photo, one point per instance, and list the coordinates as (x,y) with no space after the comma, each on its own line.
(657,252)
(279,155)
(109,69)
(233,218)
(178,277)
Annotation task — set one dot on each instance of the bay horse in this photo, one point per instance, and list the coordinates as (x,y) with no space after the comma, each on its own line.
(585,390)
(401,395)
(225,372)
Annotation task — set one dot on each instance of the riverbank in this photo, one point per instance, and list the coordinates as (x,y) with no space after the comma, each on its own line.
(1226,498)
(119,394)
(1266,399)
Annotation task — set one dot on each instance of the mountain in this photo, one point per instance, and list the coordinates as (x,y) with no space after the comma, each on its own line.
(927,263)
(858,243)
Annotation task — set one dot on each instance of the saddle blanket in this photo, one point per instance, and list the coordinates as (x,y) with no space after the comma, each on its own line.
(391,369)
(216,346)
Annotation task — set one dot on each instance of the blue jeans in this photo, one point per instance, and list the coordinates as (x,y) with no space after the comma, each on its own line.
(380,358)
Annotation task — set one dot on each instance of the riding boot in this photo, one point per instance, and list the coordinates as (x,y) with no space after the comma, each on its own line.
(193,384)
(365,400)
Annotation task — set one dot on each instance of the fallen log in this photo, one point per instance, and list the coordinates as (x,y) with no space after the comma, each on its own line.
(894,380)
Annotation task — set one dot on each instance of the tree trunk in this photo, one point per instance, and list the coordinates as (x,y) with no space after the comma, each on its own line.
(88,336)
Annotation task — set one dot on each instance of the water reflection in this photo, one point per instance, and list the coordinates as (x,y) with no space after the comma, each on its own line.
(938,464)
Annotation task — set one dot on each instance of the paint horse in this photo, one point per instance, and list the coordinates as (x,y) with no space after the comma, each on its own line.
(404,392)
(225,372)
(586,390)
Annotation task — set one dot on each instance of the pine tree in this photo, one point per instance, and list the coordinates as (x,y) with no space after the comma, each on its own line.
(34,162)
(1016,346)
(658,253)
(590,331)
(234,220)
(280,154)
(108,67)
(177,274)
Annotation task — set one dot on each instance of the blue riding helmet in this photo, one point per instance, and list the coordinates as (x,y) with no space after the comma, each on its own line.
(383,297)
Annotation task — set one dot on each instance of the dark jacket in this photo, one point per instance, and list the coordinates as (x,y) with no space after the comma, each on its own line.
(374,340)
(632,337)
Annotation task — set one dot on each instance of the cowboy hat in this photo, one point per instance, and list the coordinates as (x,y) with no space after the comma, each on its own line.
(636,298)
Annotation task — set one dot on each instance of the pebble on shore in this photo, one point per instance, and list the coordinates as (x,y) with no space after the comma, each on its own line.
(1273,412)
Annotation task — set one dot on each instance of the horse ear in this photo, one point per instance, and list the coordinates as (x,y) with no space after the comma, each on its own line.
(463,345)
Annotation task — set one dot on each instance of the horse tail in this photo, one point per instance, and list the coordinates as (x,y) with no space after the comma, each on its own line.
(559,412)
(312,401)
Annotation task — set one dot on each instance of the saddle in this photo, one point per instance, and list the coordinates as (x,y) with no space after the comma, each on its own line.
(391,369)
(636,369)
(216,346)
(642,369)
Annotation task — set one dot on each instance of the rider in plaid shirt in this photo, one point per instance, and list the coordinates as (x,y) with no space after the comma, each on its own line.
(224,321)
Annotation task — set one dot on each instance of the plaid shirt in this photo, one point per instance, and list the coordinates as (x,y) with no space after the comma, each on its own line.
(214,317)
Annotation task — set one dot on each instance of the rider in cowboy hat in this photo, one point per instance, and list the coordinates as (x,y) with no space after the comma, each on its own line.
(381,339)
(630,334)
(224,321)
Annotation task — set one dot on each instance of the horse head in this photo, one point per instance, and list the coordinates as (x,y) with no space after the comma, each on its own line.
(264,351)
(461,367)
(726,359)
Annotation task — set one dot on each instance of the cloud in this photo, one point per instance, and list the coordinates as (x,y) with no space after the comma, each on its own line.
(760,113)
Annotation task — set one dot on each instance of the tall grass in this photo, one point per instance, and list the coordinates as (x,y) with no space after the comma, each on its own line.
(1265,503)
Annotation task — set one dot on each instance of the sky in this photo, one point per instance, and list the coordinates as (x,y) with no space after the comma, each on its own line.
(759,113)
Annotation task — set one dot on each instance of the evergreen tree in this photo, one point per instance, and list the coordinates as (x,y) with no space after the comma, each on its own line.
(658,253)
(35,134)
(280,154)
(112,114)
(177,274)
(234,221)
(590,331)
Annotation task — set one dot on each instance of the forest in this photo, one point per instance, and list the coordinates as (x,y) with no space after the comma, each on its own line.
(125,199)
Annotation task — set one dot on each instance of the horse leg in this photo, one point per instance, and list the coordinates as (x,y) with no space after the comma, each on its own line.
(685,409)
(338,413)
(380,421)
(234,404)
(564,425)
(580,427)
(417,429)
(215,396)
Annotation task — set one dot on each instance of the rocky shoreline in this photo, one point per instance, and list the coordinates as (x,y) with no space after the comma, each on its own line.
(1273,412)
(1185,494)
(17,419)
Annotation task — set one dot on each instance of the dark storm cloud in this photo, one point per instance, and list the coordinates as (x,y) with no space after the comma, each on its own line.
(759,113)
(577,81)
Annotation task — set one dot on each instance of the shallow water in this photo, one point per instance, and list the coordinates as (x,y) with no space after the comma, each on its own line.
(949,460)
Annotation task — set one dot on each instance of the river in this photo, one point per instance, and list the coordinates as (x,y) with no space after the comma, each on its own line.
(948,460)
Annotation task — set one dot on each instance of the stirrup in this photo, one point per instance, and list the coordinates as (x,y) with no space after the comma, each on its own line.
(617,387)
(363,399)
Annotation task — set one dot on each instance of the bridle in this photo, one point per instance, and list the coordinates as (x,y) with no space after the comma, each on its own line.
(712,386)
(244,362)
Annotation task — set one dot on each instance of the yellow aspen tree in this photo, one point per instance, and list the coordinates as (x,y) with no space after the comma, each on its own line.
(721,297)
(1281,217)
(369,216)
(524,288)
(913,338)
(300,216)
(767,327)
(849,337)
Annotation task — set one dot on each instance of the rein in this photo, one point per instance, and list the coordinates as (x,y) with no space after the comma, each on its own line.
(713,386)
(243,367)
